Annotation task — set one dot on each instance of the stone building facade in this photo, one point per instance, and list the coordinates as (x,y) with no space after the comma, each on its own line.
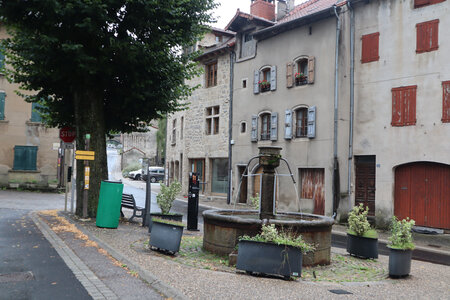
(28,149)
(139,145)
(198,138)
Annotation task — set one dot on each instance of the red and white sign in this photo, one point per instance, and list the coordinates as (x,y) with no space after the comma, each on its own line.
(67,134)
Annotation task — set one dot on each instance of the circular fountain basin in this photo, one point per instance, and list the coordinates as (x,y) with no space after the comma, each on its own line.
(222,229)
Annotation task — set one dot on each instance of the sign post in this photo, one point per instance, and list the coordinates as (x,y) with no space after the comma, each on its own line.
(67,135)
(86,156)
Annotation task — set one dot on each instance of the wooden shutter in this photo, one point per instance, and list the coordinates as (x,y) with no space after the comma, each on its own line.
(312,122)
(25,157)
(254,133)
(410,106)
(419,3)
(256,82)
(274,126)
(2,105)
(311,67)
(427,36)
(288,124)
(369,47)
(404,106)
(289,74)
(445,102)
(273,78)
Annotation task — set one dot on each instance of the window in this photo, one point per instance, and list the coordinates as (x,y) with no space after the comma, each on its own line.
(312,186)
(212,120)
(181,128)
(265,79)
(35,115)
(300,72)
(370,46)
(446,102)
(211,74)
(25,158)
(218,38)
(427,36)
(248,45)
(244,83)
(2,105)
(219,182)
(404,106)
(420,3)
(174,131)
(265,127)
(243,127)
(301,122)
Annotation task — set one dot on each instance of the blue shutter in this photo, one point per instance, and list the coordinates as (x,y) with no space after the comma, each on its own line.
(2,59)
(256,82)
(273,78)
(288,124)
(274,126)
(2,105)
(35,116)
(312,122)
(254,133)
(25,158)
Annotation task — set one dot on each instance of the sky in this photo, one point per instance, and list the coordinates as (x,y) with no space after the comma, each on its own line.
(227,9)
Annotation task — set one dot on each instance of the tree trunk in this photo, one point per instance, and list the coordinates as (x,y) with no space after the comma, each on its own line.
(90,119)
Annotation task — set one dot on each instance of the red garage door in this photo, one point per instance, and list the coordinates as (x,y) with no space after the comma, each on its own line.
(422,192)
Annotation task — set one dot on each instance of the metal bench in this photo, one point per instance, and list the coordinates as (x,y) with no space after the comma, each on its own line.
(128,201)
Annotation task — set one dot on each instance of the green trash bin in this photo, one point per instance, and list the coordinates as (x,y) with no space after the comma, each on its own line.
(110,199)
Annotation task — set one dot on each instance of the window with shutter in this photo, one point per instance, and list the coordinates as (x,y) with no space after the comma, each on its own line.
(288,124)
(274,126)
(421,3)
(370,47)
(404,106)
(2,105)
(254,133)
(211,74)
(301,122)
(289,74)
(446,102)
(25,158)
(273,78)
(35,115)
(265,126)
(301,71)
(427,36)
(312,122)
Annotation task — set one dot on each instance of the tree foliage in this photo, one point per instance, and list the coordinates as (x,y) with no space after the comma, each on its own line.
(102,65)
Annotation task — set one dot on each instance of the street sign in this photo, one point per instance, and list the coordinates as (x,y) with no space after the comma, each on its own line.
(67,134)
(84,152)
(85,155)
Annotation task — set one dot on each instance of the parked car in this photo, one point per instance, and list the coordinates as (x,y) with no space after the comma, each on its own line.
(136,175)
(156,174)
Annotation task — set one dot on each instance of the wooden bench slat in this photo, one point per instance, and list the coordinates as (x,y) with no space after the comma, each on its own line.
(128,201)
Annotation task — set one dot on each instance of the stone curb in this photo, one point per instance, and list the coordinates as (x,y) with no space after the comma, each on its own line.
(93,285)
(153,280)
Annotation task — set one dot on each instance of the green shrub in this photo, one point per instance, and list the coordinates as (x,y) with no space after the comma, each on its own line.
(401,236)
(269,234)
(255,201)
(167,195)
(358,224)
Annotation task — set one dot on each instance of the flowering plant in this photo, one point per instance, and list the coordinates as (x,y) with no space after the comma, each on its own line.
(358,223)
(401,236)
(263,83)
(300,75)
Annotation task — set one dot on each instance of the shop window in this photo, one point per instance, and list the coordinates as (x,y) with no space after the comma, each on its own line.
(219,180)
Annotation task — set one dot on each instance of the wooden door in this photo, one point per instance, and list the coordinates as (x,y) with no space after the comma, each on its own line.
(365,182)
(242,180)
(312,187)
(422,192)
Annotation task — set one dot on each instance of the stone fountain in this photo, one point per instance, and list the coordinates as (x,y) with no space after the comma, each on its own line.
(222,228)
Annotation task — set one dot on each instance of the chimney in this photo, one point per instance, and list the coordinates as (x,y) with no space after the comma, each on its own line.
(284,7)
(263,9)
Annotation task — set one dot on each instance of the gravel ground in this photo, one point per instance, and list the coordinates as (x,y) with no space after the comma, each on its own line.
(428,281)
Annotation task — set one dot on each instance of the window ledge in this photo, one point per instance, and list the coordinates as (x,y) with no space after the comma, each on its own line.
(264,142)
(4,121)
(245,58)
(30,123)
(300,139)
(23,171)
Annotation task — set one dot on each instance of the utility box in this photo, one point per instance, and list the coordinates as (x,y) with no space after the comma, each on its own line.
(194,187)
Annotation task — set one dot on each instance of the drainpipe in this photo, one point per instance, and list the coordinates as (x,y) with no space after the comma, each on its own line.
(230,128)
(352,100)
(336,183)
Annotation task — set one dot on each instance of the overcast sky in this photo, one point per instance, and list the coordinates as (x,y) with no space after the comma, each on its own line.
(227,10)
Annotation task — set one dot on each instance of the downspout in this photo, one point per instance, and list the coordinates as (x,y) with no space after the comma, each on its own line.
(336,102)
(230,128)
(352,100)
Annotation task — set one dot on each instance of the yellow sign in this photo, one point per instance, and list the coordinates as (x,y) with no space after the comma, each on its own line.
(83,152)
(87,171)
(84,157)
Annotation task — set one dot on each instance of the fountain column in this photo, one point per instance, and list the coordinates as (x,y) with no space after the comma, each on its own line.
(269,159)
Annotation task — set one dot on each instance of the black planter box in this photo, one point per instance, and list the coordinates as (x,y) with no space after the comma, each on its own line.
(399,262)
(171,217)
(268,258)
(362,246)
(166,236)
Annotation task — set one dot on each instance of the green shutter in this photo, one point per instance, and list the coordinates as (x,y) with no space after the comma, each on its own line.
(25,158)
(35,116)
(2,59)
(2,105)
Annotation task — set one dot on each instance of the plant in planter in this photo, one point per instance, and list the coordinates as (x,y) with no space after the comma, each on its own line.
(300,78)
(166,235)
(272,252)
(264,85)
(362,240)
(165,201)
(401,245)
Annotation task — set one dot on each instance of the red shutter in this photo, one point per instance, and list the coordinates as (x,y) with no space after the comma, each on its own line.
(410,105)
(446,102)
(419,3)
(396,107)
(370,46)
(427,36)
(404,106)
